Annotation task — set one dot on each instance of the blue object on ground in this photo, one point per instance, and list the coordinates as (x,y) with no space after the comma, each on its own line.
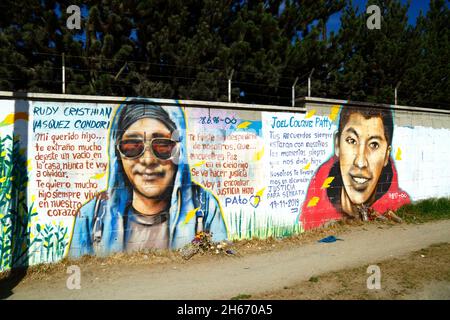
(329,239)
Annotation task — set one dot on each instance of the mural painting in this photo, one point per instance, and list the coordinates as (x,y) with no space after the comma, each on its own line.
(360,174)
(150,201)
(15,215)
(85,178)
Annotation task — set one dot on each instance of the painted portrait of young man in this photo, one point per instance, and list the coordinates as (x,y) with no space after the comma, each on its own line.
(150,201)
(361,171)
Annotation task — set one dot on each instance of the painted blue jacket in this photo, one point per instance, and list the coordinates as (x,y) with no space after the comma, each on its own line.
(99,226)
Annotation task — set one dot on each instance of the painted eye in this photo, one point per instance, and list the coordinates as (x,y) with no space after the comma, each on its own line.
(350,140)
(374,145)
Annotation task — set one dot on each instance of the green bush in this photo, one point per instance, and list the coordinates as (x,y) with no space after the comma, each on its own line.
(426,210)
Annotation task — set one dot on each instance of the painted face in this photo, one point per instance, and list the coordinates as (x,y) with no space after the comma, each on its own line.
(152,177)
(363,151)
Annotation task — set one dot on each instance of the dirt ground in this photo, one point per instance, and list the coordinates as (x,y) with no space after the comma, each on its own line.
(265,269)
(241,248)
(423,274)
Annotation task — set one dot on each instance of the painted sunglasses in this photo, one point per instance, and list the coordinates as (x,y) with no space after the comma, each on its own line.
(161,148)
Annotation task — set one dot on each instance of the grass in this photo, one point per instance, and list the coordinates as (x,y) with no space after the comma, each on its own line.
(425,210)
(242,296)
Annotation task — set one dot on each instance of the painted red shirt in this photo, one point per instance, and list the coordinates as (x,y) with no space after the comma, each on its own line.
(318,211)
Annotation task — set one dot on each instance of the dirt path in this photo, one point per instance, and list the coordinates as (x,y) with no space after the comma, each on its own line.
(422,274)
(227,277)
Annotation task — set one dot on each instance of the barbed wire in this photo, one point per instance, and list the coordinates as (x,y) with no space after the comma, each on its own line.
(324,83)
(160,64)
(69,68)
(100,72)
(301,78)
(134,87)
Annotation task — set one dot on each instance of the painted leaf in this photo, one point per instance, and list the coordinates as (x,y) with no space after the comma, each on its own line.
(244,125)
(334,112)
(258,155)
(260,192)
(398,155)
(310,113)
(200,163)
(190,215)
(10,118)
(313,201)
(98,175)
(327,182)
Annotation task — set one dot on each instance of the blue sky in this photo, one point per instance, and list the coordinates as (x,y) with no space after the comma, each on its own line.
(415,7)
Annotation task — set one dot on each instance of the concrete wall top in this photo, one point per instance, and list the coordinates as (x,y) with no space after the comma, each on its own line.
(113,99)
(323,101)
(208,104)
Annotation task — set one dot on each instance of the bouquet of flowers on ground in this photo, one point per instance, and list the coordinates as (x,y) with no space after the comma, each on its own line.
(202,242)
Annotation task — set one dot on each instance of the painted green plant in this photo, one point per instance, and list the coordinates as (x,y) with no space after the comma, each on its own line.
(14,214)
(23,240)
(246,226)
(48,242)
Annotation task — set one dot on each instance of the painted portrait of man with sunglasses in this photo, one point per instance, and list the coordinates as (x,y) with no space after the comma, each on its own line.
(150,201)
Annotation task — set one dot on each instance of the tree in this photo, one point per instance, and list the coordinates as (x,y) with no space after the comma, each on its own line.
(186,49)
(427,82)
(368,63)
